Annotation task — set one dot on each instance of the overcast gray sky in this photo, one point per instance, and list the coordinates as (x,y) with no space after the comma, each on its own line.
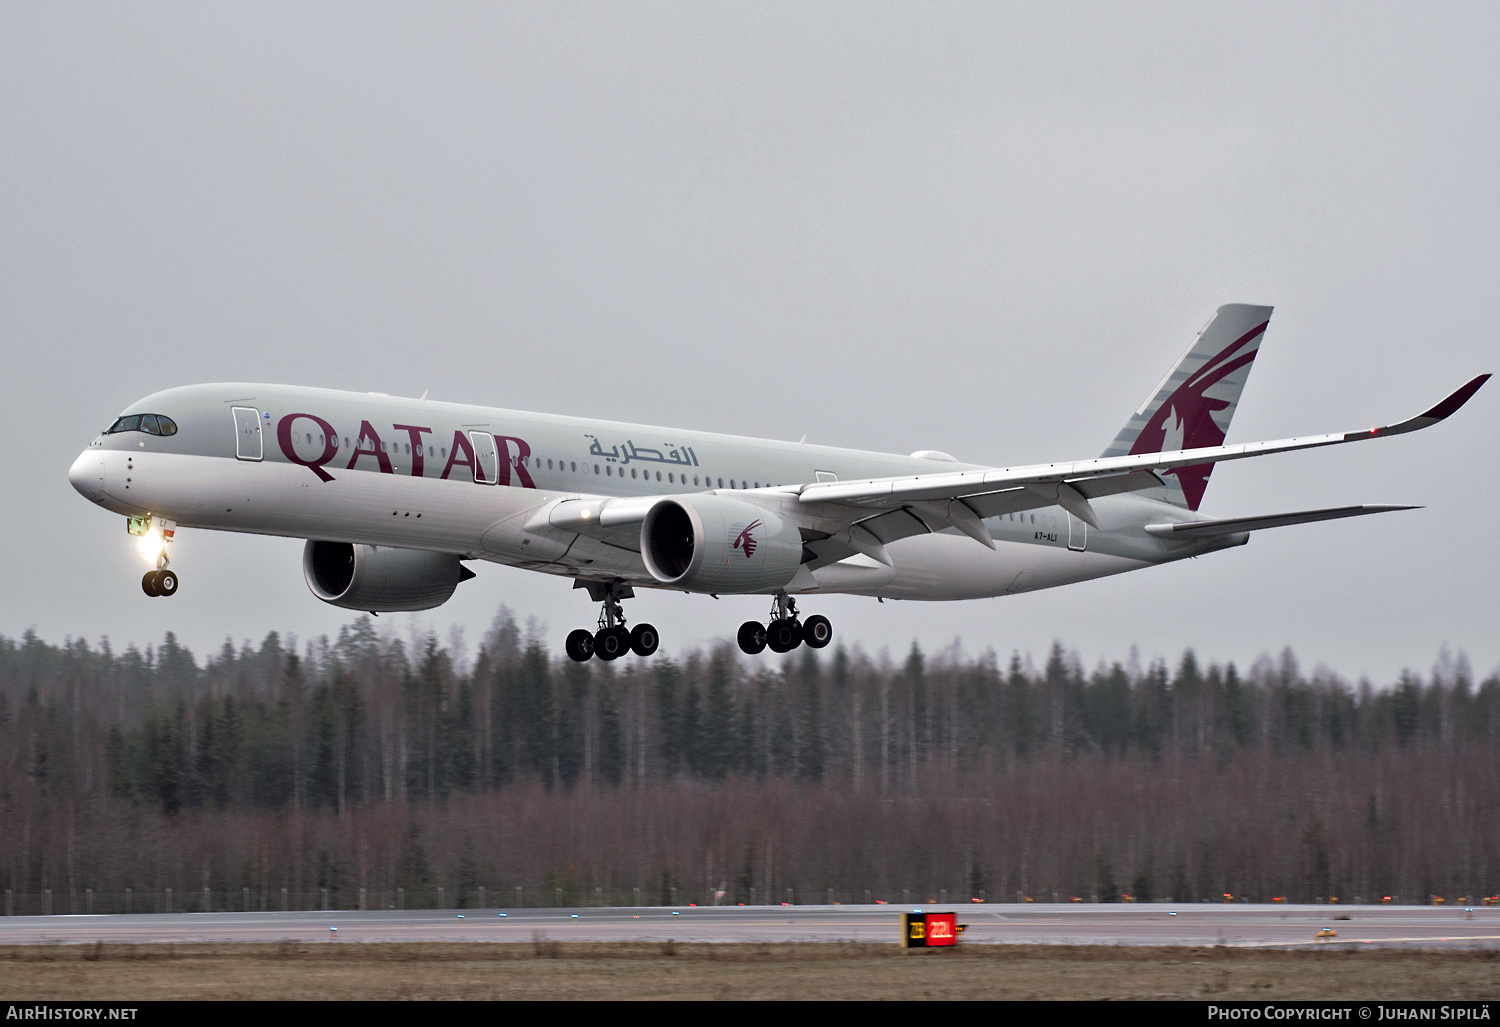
(986,229)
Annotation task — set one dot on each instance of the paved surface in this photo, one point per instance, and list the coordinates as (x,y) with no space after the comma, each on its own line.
(1146,924)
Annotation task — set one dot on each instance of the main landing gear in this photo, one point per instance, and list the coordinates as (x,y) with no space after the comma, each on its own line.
(785,632)
(613,639)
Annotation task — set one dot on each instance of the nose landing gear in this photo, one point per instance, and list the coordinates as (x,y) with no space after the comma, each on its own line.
(785,632)
(155,533)
(612,639)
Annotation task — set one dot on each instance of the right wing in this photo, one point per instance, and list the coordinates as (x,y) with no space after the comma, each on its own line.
(1075,483)
(863,516)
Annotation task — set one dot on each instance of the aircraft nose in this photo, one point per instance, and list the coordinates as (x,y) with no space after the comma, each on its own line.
(87,474)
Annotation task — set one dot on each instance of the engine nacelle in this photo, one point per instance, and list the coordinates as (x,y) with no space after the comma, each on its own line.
(380,579)
(718,544)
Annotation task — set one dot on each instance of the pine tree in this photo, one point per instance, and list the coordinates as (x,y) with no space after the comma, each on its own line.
(611,737)
(810,735)
(570,722)
(668,718)
(716,747)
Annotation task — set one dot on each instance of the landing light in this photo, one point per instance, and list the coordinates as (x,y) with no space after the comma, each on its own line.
(150,545)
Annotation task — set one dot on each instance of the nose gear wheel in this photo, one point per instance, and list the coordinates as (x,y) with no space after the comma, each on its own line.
(159,583)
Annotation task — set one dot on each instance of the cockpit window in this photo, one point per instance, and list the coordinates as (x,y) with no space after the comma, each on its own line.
(152,424)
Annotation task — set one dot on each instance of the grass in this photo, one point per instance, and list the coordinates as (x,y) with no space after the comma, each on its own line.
(554,970)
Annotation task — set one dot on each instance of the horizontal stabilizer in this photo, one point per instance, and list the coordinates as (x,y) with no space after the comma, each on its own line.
(1235,525)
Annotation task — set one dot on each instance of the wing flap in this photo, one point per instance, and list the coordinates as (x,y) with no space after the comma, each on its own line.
(896,524)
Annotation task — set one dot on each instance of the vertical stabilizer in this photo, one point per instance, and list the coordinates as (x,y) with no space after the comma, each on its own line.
(1192,406)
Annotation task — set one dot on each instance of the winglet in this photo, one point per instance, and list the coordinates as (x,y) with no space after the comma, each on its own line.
(1458,399)
(1429,417)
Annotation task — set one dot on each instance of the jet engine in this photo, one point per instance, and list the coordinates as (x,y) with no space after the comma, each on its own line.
(380,579)
(719,544)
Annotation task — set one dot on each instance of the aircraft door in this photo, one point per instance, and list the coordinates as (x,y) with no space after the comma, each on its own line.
(249,444)
(486,459)
(1078,534)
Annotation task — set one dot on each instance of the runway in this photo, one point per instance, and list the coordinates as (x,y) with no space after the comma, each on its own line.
(1146,924)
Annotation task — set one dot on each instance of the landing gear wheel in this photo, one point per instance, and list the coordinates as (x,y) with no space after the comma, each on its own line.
(817,631)
(148,584)
(166,583)
(644,640)
(580,645)
(611,643)
(752,637)
(784,635)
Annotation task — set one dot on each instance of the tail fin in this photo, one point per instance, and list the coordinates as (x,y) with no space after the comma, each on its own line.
(1192,406)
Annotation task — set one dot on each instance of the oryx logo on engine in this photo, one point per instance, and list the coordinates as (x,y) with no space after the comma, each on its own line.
(746,541)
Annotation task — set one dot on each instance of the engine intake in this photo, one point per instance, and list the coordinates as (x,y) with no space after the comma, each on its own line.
(705,543)
(380,579)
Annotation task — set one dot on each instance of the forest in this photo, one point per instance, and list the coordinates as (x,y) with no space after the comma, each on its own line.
(372,770)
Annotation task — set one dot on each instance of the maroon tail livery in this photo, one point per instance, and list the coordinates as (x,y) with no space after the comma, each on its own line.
(1192,406)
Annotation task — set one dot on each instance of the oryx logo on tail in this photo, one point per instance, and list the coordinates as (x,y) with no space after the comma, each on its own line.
(746,541)
(1192,406)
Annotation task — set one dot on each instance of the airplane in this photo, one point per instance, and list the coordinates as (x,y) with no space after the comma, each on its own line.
(394,494)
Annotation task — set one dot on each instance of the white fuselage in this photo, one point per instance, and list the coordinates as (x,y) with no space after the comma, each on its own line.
(477,482)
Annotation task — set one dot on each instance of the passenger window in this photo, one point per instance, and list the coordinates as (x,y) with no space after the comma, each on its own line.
(575,467)
(596,468)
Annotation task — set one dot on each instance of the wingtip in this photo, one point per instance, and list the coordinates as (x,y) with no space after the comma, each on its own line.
(1457,399)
